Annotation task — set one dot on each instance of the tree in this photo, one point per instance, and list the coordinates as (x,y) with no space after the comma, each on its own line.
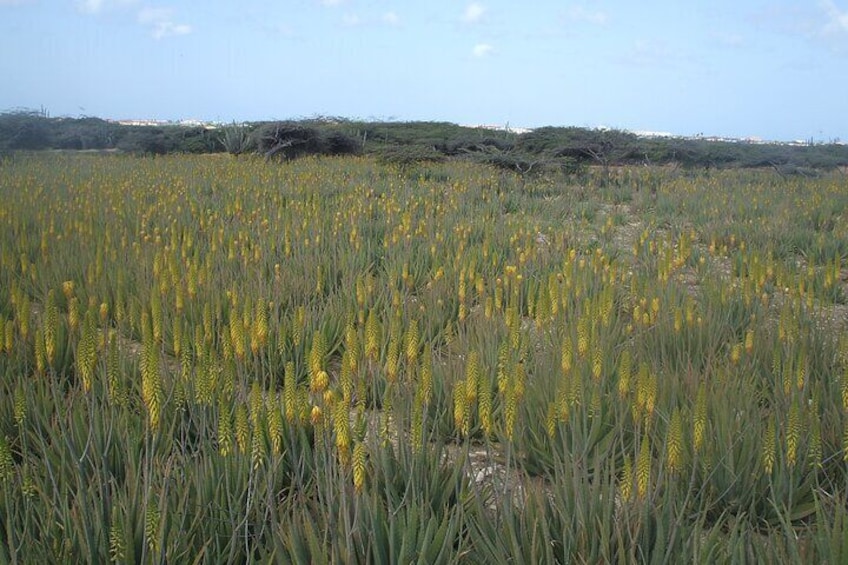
(24,129)
(236,139)
(289,140)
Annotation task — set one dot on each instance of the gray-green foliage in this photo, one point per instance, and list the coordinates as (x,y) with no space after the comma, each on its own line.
(236,138)
(654,379)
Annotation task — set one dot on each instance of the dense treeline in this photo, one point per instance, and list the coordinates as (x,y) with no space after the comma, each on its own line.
(564,148)
(30,131)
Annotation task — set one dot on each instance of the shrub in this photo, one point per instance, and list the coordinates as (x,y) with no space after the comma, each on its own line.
(289,140)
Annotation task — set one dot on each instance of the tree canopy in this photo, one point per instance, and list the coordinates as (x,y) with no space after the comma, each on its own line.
(566,148)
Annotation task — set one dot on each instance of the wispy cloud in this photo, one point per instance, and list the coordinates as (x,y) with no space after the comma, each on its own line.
(473,12)
(482,50)
(90,6)
(783,19)
(837,20)
(390,18)
(823,22)
(331,3)
(161,22)
(98,6)
(13,2)
(582,14)
(732,40)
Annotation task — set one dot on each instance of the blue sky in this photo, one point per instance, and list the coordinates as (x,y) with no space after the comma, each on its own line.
(771,69)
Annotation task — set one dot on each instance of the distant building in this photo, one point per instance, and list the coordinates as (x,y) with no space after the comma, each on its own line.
(161,123)
(141,122)
(498,127)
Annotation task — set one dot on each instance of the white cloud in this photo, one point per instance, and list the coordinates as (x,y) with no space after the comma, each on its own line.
(837,20)
(13,2)
(98,6)
(582,14)
(90,6)
(164,29)
(391,18)
(331,3)
(473,12)
(355,20)
(821,21)
(482,50)
(161,22)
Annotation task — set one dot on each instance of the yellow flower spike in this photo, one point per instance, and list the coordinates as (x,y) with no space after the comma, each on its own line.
(626,483)
(597,363)
(567,354)
(73,314)
(317,354)
(50,327)
(19,406)
(319,382)
(86,357)
(151,378)
(674,442)
(700,419)
(259,327)
(642,386)
(583,334)
(651,394)
(316,415)
(736,353)
(793,434)
(749,341)
(104,312)
(290,392)
(275,423)
(68,289)
(624,369)
(643,468)
(372,336)
(40,350)
(460,411)
(411,343)
(393,361)
(242,428)
(769,447)
(237,339)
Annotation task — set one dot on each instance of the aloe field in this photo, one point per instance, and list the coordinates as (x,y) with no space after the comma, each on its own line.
(208,359)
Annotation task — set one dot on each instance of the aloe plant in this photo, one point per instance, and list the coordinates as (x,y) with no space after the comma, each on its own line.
(337,360)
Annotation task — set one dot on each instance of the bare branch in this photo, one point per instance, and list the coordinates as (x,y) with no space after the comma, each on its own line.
(280,146)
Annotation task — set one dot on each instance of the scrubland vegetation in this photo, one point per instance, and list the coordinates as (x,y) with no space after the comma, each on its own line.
(216,359)
(542,150)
